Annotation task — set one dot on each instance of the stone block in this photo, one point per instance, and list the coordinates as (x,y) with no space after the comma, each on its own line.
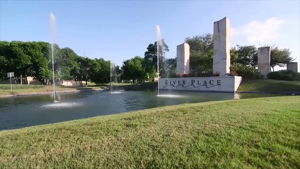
(263,60)
(293,66)
(183,59)
(221,39)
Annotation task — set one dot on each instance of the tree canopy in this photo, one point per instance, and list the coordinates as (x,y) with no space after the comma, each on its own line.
(201,54)
(33,59)
(279,57)
(133,69)
(150,59)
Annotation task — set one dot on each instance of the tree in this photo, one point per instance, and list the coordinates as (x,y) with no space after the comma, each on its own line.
(4,62)
(19,60)
(246,55)
(133,69)
(150,59)
(279,57)
(68,64)
(41,68)
(100,71)
(170,67)
(85,65)
(201,54)
(115,73)
(34,59)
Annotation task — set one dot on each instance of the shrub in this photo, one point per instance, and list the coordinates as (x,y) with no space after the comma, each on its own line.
(284,75)
(245,71)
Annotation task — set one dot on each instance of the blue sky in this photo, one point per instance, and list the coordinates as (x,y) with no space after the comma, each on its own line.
(121,29)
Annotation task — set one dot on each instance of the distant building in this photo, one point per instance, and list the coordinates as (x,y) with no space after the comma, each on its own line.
(71,83)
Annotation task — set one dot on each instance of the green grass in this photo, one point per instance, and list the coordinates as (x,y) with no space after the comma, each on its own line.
(249,133)
(267,85)
(18,89)
(18,86)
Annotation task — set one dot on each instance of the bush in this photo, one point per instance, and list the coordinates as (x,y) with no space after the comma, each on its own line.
(245,71)
(284,75)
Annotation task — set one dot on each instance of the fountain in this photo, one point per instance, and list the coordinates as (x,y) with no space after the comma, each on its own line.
(159,47)
(56,104)
(159,55)
(52,20)
(113,79)
(111,68)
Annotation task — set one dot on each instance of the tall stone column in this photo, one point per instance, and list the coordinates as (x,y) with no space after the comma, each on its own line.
(221,39)
(183,59)
(293,66)
(263,60)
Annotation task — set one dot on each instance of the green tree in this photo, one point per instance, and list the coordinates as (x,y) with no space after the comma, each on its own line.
(170,67)
(201,54)
(4,62)
(280,57)
(68,64)
(133,69)
(100,71)
(85,65)
(150,59)
(41,68)
(19,60)
(246,55)
(115,73)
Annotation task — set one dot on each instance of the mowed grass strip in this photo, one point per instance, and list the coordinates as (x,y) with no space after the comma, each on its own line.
(268,85)
(250,133)
(18,89)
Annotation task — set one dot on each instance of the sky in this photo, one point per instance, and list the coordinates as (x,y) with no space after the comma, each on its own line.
(117,30)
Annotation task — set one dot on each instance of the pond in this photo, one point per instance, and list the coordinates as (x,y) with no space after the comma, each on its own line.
(23,111)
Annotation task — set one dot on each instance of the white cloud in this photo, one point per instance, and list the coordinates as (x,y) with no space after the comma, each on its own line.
(258,32)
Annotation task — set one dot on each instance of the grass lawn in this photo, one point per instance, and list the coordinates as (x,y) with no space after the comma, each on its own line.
(268,85)
(17,88)
(249,133)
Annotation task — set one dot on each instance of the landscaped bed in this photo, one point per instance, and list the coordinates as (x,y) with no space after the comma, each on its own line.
(250,133)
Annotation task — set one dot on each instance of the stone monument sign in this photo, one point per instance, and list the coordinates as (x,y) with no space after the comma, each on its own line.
(221,66)
(212,84)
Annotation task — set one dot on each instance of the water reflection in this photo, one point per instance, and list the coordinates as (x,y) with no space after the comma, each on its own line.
(17,112)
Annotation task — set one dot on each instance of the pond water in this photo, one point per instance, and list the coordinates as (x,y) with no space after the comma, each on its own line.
(23,111)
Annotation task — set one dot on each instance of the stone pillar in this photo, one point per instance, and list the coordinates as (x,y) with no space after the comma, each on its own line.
(221,39)
(183,59)
(293,66)
(263,60)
